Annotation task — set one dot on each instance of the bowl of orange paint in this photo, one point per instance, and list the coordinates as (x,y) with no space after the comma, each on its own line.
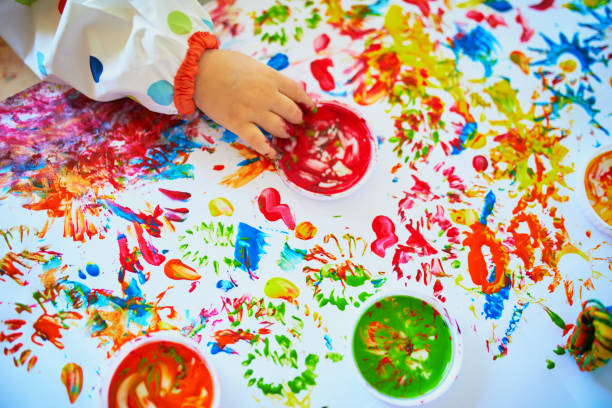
(330,155)
(161,370)
(595,188)
(405,347)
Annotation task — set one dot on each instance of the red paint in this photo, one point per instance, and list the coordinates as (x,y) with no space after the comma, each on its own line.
(437,289)
(176,195)
(481,236)
(47,327)
(384,229)
(330,153)
(321,42)
(60,6)
(161,374)
(228,336)
(218,167)
(271,207)
(418,243)
(423,5)
(129,260)
(543,5)
(14,324)
(494,21)
(475,15)
(319,72)
(149,253)
(528,32)
(480,163)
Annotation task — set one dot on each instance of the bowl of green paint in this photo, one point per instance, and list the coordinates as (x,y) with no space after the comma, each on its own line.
(406,348)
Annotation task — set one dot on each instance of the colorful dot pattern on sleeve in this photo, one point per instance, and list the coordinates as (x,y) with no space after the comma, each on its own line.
(96,68)
(162,92)
(40,58)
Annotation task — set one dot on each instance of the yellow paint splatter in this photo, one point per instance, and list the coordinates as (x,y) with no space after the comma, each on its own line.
(220,206)
(72,378)
(520,60)
(305,230)
(568,65)
(281,288)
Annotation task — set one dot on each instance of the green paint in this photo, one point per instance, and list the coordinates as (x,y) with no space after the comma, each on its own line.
(335,357)
(559,351)
(412,336)
(556,319)
(550,364)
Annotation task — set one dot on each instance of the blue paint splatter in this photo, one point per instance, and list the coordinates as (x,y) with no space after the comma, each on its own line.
(208,23)
(162,92)
(378,7)
(225,285)
(377,283)
(328,342)
(479,45)
(604,21)
(82,275)
(249,247)
(96,68)
(246,162)
(467,133)
(228,137)
(395,179)
(499,5)
(52,263)
(40,59)
(279,62)
(290,258)
(494,304)
(92,270)
(215,349)
(488,207)
(517,313)
(584,54)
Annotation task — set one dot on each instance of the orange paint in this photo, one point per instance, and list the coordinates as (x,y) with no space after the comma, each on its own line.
(305,231)
(175,269)
(228,336)
(598,185)
(246,174)
(72,378)
(481,236)
(47,327)
(161,374)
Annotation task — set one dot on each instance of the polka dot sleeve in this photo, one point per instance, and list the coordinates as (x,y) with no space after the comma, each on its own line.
(109,49)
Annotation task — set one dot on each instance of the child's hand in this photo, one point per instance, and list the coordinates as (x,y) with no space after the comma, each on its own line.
(240,94)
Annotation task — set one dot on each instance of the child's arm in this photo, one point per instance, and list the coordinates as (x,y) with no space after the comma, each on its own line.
(156,52)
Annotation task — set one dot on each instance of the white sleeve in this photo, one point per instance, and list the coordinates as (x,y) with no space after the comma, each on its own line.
(106,49)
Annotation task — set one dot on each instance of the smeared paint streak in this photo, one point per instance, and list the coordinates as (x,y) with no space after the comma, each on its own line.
(271,207)
(220,206)
(517,313)
(281,288)
(494,303)
(215,349)
(246,174)
(148,251)
(149,222)
(129,260)
(319,69)
(488,207)
(175,195)
(479,45)
(499,5)
(481,236)
(384,229)
(72,378)
(249,248)
(527,32)
(290,258)
(225,285)
(305,230)
(92,270)
(47,327)
(279,62)
(321,42)
(228,136)
(226,337)
(176,269)
(521,61)
(542,5)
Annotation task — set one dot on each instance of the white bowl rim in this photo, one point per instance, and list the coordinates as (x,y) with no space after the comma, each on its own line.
(358,184)
(457,344)
(171,336)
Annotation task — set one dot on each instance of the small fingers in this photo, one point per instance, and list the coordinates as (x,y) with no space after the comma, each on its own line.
(294,92)
(287,109)
(254,137)
(275,125)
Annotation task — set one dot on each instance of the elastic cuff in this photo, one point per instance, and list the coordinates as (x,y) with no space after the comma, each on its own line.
(184,80)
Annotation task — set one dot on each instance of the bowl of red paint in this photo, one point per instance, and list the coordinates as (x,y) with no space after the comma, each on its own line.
(330,155)
(405,347)
(160,370)
(595,188)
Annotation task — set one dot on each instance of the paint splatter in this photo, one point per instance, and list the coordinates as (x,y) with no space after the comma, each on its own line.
(249,248)
(72,378)
(176,269)
(270,206)
(305,230)
(384,229)
(281,288)
(220,206)
(319,69)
